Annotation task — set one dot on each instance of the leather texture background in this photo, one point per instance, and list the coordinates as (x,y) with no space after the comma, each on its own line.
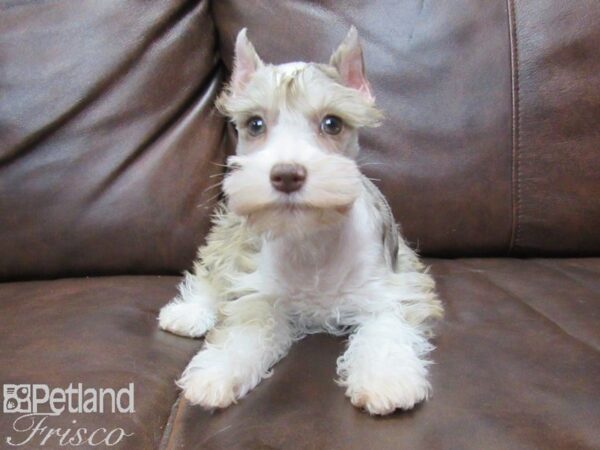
(108,136)
(556,181)
(109,142)
(100,332)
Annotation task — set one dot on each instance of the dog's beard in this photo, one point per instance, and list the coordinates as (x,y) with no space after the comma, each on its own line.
(294,221)
(333,184)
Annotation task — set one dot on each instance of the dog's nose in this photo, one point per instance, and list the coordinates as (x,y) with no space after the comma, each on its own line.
(288,178)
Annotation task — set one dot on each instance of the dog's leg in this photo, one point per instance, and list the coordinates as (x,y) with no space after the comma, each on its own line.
(194,311)
(383,368)
(238,354)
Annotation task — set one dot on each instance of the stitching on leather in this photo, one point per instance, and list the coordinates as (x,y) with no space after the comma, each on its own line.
(516,123)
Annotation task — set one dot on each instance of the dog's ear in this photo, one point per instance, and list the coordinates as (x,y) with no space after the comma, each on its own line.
(348,60)
(245,61)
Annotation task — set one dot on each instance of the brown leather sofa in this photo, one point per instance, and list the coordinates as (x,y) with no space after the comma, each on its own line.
(490,157)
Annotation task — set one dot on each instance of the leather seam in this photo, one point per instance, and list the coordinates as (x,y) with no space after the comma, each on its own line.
(566,274)
(516,125)
(522,300)
(165,441)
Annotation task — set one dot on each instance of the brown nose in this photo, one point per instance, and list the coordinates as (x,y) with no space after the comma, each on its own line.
(288,177)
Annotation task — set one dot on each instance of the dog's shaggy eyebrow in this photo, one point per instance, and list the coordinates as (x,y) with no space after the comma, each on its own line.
(239,106)
(336,99)
(356,113)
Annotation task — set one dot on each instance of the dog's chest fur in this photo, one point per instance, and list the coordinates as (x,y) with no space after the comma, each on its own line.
(324,277)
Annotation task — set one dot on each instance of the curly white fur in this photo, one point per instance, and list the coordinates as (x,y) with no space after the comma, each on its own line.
(277,267)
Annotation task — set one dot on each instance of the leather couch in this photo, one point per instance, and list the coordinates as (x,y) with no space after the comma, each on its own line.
(489,156)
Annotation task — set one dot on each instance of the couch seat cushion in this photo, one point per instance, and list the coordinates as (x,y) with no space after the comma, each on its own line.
(101,332)
(517,366)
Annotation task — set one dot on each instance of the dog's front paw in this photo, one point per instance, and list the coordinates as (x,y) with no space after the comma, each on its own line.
(209,388)
(187,319)
(381,395)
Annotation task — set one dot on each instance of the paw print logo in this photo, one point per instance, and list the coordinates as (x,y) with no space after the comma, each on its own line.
(17,398)
(11,404)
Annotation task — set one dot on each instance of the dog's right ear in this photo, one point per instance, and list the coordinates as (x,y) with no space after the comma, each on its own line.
(245,61)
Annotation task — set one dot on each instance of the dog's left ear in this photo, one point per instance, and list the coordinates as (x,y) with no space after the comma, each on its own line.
(348,60)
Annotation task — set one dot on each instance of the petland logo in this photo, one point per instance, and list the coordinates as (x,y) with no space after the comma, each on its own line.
(37,404)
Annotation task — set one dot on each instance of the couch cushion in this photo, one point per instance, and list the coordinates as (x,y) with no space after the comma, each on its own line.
(108,136)
(517,366)
(556,104)
(490,142)
(440,72)
(101,332)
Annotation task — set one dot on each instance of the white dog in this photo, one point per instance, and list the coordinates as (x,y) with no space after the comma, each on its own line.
(305,244)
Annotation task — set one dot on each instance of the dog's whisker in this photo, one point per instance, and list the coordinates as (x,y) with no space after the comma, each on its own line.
(212,186)
(209,201)
(371,164)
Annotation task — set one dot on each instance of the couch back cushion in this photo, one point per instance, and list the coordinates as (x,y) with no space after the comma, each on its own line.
(492,140)
(108,138)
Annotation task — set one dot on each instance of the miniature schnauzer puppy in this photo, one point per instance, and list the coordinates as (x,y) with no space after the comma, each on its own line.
(303,244)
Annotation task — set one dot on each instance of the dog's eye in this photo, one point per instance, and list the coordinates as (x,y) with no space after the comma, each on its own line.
(331,125)
(256,126)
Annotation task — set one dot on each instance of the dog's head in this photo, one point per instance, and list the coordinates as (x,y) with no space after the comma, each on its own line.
(294,168)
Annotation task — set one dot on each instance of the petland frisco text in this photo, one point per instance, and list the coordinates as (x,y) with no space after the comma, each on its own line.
(37,404)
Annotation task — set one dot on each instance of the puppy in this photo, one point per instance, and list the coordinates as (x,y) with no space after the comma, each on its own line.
(304,244)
